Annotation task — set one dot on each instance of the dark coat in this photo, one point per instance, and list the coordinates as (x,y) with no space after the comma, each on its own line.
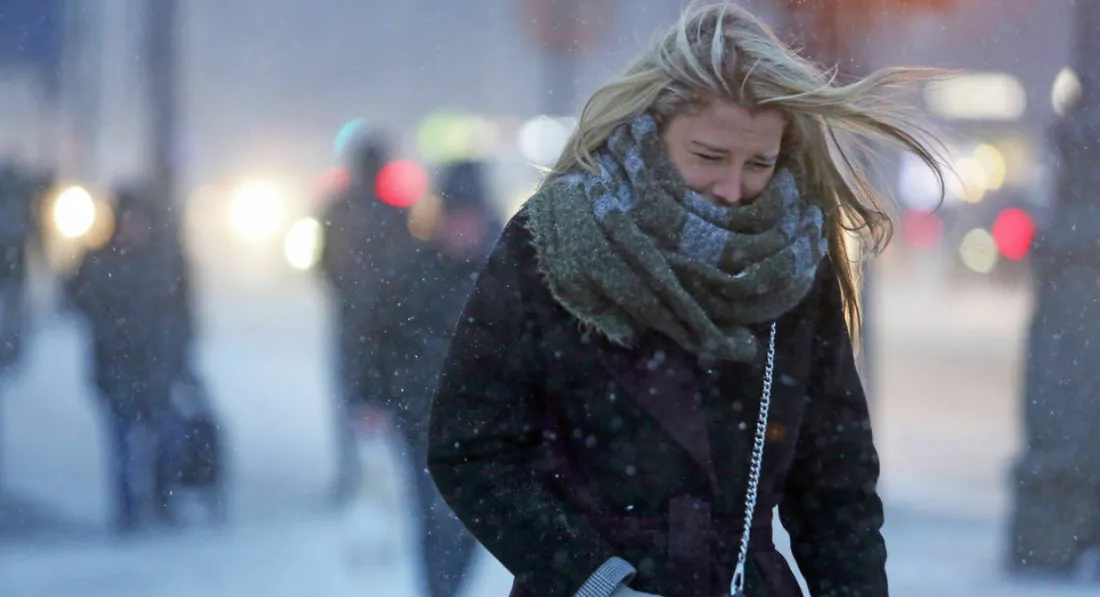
(416,328)
(559,450)
(417,291)
(366,259)
(137,301)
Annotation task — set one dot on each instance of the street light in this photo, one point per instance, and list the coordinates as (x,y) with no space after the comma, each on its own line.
(257,210)
(74,212)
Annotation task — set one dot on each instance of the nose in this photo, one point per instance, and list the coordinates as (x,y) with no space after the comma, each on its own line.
(728,189)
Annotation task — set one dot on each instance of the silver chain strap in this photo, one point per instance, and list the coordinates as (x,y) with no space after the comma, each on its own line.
(737,585)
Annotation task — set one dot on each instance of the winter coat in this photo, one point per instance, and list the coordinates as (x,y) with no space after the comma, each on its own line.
(366,259)
(415,329)
(417,325)
(19,191)
(560,451)
(137,302)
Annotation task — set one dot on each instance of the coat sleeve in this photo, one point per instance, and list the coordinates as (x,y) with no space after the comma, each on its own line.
(487,442)
(831,507)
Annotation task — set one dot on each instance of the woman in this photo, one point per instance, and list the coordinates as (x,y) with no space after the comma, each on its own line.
(656,354)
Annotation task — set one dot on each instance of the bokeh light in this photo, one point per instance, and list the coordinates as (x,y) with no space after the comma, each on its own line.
(401,183)
(1013,232)
(74,212)
(257,210)
(302,244)
(978,251)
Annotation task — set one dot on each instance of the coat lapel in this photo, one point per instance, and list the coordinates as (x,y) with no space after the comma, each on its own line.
(663,379)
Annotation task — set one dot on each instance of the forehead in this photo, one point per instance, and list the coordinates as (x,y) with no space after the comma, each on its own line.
(723,125)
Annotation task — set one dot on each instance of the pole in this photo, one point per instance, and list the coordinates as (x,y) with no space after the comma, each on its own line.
(559,60)
(161,77)
(79,92)
(1055,522)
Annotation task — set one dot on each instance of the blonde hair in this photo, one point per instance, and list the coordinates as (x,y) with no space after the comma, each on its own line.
(721,51)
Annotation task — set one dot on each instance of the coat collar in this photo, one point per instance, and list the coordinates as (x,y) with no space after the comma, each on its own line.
(666,382)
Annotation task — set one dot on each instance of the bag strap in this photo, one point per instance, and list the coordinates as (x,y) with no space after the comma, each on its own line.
(737,585)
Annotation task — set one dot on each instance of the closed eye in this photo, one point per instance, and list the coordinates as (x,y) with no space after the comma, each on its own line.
(708,157)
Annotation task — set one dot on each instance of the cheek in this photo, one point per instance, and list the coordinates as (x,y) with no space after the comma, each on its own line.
(697,176)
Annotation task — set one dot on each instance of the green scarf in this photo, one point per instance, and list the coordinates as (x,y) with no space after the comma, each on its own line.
(633,249)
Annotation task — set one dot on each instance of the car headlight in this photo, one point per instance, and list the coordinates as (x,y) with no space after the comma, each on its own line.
(257,210)
(74,212)
(302,244)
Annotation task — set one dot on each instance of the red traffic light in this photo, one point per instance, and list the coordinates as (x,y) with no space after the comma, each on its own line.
(401,183)
(1013,231)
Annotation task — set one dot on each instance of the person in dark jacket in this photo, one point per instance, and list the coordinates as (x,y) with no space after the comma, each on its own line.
(427,303)
(658,352)
(365,249)
(21,192)
(135,295)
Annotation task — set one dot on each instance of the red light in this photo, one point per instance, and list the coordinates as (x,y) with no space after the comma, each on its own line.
(401,183)
(1013,232)
(923,230)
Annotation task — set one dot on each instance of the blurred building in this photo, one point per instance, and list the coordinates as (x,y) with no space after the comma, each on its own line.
(269,84)
(995,118)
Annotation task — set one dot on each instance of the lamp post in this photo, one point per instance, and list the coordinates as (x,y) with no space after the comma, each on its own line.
(161,76)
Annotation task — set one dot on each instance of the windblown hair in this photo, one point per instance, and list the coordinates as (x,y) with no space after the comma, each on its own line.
(721,51)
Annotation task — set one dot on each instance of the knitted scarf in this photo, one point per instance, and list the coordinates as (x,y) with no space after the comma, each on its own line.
(634,249)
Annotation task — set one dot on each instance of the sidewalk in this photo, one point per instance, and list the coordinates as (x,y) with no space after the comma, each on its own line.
(944,398)
(928,556)
(957,558)
(946,371)
(944,389)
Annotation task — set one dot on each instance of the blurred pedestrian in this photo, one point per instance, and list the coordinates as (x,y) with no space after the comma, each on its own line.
(658,352)
(366,242)
(21,193)
(135,295)
(425,310)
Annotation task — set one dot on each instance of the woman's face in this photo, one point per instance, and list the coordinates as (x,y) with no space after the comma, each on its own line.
(725,152)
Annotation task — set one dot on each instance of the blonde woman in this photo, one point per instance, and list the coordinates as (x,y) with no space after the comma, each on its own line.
(658,354)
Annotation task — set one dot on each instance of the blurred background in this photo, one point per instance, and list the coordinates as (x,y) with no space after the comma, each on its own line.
(241,111)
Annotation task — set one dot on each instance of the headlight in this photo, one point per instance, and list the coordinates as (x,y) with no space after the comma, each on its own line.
(303,242)
(74,212)
(257,211)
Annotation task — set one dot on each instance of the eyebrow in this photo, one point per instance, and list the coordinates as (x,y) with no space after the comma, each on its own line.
(719,150)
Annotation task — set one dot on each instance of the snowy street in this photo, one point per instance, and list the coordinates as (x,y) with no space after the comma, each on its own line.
(266,362)
(692,168)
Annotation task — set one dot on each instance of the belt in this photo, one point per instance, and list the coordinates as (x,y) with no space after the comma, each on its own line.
(695,540)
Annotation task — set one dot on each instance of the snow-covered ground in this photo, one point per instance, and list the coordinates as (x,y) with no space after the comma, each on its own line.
(944,397)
